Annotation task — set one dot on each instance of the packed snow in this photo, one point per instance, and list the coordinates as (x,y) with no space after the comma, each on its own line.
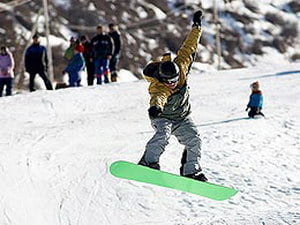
(56,148)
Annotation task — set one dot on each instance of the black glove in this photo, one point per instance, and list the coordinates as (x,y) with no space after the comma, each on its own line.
(197,18)
(247,109)
(154,111)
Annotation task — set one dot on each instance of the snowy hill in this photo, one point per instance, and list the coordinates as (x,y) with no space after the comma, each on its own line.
(56,147)
(247,28)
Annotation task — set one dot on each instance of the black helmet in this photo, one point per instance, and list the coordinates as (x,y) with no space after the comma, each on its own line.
(168,71)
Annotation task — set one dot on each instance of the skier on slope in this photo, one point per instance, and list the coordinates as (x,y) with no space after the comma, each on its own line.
(170,108)
(255,101)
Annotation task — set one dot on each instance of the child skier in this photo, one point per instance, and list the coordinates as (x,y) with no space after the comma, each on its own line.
(256,101)
(170,108)
(75,66)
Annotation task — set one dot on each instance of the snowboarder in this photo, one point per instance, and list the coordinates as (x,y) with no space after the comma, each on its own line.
(75,66)
(256,101)
(6,70)
(170,107)
(36,62)
(102,53)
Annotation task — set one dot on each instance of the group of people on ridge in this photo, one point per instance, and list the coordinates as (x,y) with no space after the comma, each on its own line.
(100,56)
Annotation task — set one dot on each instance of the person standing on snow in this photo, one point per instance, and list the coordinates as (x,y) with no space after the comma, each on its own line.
(75,66)
(256,101)
(7,64)
(36,62)
(88,57)
(115,35)
(170,108)
(102,53)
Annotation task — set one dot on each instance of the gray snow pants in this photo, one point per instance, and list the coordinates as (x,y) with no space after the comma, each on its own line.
(187,134)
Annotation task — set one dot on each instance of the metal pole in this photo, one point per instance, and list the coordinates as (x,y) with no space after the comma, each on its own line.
(49,50)
(218,39)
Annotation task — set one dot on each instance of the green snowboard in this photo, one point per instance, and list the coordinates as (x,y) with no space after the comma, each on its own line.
(131,171)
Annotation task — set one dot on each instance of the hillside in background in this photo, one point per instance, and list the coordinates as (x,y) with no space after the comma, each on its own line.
(150,28)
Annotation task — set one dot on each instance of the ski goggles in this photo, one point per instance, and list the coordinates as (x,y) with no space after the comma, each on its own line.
(170,80)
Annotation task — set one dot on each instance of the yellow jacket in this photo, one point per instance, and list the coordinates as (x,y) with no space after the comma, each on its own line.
(159,93)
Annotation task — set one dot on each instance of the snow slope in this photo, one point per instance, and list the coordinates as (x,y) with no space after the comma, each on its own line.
(56,147)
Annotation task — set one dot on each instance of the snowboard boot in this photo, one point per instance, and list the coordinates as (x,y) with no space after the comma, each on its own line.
(155,166)
(197,176)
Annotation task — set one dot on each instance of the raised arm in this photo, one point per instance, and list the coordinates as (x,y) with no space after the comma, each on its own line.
(186,53)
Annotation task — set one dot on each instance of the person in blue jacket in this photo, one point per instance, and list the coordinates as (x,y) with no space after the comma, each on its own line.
(256,101)
(36,62)
(75,66)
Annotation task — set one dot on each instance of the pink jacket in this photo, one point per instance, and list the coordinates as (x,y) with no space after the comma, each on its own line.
(7,65)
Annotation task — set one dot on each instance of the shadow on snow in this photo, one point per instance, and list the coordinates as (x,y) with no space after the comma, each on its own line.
(274,75)
(206,124)
(221,122)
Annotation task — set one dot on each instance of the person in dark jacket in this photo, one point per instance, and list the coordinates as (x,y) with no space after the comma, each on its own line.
(170,108)
(36,62)
(256,101)
(102,53)
(115,35)
(88,57)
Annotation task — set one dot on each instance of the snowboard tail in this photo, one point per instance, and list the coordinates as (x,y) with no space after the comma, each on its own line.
(131,171)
